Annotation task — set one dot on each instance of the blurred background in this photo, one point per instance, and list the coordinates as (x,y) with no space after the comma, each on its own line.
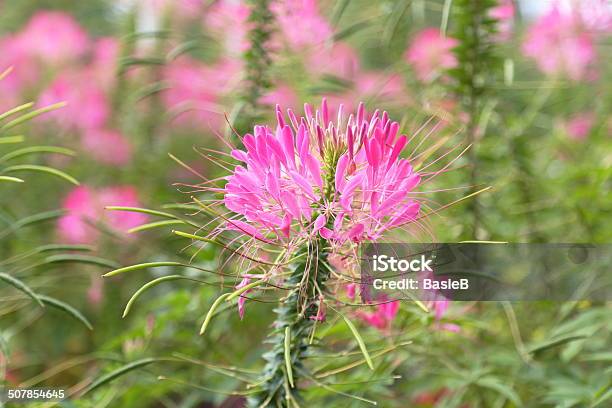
(526,84)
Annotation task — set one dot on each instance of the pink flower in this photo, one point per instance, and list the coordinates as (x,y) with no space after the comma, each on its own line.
(228,13)
(54,37)
(104,63)
(87,104)
(23,74)
(430,54)
(561,46)
(579,126)
(317,174)
(281,95)
(107,146)
(195,89)
(382,316)
(504,14)
(338,60)
(85,208)
(301,23)
(242,300)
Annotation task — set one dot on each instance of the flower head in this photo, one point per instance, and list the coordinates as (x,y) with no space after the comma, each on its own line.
(85,207)
(54,37)
(430,53)
(560,45)
(341,178)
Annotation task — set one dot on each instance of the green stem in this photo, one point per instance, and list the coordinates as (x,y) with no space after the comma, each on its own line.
(285,360)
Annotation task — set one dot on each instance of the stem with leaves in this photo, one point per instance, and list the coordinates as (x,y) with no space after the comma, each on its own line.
(475,29)
(295,320)
(257,61)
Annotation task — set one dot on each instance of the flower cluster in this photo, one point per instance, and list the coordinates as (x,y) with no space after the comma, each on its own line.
(341,178)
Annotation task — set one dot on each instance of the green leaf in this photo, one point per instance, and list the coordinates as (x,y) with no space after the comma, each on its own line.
(141,210)
(118,373)
(360,341)
(555,342)
(36,149)
(288,366)
(13,179)
(16,109)
(501,388)
(66,308)
(11,139)
(21,286)
(148,286)
(211,312)
(141,266)
(87,259)
(31,115)
(41,169)
(156,224)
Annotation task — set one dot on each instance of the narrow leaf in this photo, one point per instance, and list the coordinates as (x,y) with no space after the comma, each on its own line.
(140,266)
(211,312)
(37,149)
(21,286)
(118,373)
(156,224)
(11,139)
(13,179)
(148,286)
(87,259)
(31,115)
(141,210)
(556,342)
(66,308)
(360,341)
(16,109)
(42,169)
(288,355)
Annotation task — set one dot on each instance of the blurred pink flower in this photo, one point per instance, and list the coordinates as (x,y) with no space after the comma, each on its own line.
(430,54)
(596,15)
(54,37)
(85,207)
(95,291)
(579,126)
(504,14)
(87,105)
(107,146)
(195,89)
(282,95)
(104,61)
(382,316)
(338,60)
(560,45)
(229,13)
(301,24)
(23,72)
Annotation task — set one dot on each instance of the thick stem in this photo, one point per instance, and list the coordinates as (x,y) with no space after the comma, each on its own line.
(296,312)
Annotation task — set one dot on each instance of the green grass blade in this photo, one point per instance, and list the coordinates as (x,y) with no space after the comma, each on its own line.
(211,312)
(13,179)
(21,286)
(243,289)
(141,210)
(148,286)
(31,115)
(118,373)
(15,110)
(11,139)
(37,149)
(141,266)
(87,259)
(288,356)
(42,169)
(156,224)
(66,308)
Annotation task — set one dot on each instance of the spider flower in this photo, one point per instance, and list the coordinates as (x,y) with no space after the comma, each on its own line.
(339,177)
